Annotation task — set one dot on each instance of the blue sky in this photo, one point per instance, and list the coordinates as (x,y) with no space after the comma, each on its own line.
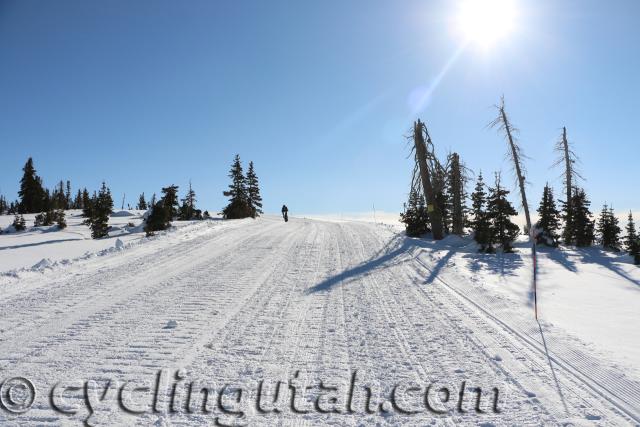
(318,94)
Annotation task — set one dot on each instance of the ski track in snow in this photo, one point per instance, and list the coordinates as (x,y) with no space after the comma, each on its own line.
(264,299)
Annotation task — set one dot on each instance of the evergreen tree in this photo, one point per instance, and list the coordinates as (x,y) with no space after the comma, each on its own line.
(582,224)
(631,238)
(163,211)
(59,200)
(19,224)
(45,218)
(188,209)
(152,202)
(549,218)
(89,205)
(3,204)
(60,219)
(443,202)
(238,206)
(415,217)
(157,220)
(77,201)
(48,201)
(101,211)
(479,222)
(170,201)
(67,196)
(608,229)
(499,210)
(142,203)
(31,190)
(457,196)
(86,203)
(253,192)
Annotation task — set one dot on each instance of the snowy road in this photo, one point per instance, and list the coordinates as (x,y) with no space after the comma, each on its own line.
(235,303)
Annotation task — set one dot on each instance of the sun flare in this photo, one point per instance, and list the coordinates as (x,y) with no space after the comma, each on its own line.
(484,22)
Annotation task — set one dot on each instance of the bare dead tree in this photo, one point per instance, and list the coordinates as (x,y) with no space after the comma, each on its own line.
(515,154)
(570,176)
(432,174)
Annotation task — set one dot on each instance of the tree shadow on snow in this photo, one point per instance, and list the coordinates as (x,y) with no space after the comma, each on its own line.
(394,248)
(560,256)
(27,245)
(553,371)
(596,256)
(436,269)
(498,263)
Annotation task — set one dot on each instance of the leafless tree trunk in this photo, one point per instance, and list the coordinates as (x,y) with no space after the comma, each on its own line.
(570,175)
(516,155)
(427,175)
(456,183)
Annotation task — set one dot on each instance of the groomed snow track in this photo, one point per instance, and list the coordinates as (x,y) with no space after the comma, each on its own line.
(243,301)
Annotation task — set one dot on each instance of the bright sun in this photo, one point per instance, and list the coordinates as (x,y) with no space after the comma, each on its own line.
(486,21)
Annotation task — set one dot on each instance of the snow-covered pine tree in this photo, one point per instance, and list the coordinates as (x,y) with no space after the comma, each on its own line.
(19,224)
(44,218)
(142,203)
(238,206)
(254,198)
(31,192)
(60,219)
(101,211)
(583,225)
(608,229)
(479,221)
(415,217)
(499,210)
(456,183)
(549,218)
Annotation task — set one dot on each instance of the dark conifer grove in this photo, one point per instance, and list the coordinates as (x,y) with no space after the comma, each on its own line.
(415,217)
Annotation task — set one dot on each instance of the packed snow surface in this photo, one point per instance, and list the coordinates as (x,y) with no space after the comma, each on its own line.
(235,304)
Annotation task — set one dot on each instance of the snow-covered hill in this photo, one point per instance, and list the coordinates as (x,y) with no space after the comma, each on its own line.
(351,304)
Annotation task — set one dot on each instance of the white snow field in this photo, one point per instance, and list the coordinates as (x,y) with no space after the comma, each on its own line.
(359,324)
